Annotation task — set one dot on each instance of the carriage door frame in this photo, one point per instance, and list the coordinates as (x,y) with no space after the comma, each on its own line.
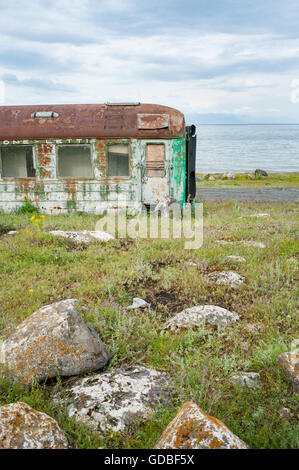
(155,188)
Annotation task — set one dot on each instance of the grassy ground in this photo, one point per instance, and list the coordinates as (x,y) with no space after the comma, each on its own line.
(273,180)
(38,270)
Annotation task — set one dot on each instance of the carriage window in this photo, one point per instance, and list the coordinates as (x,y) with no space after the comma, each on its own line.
(17,162)
(74,161)
(155,160)
(118,160)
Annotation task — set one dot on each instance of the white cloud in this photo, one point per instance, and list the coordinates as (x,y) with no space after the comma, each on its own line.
(2,91)
(92,62)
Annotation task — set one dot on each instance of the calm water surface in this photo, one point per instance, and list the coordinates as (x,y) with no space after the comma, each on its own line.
(242,148)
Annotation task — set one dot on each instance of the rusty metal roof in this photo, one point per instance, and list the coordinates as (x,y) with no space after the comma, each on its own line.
(69,121)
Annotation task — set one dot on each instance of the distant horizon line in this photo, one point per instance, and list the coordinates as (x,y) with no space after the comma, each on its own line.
(249,124)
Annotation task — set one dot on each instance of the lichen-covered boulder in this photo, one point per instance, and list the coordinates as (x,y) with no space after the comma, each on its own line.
(290,364)
(22,427)
(110,400)
(53,341)
(83,236)
(198,315)
(226,278)
(194,429)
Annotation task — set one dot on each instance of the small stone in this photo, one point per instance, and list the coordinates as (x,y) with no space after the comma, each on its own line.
(295,345)
(229,175)
(53,341)
(226,242)
(260,172)
(251,176)
(247,379)
(235,258)
(194,429)
(261,214)
(285,413)
(211,178)
(113,399)
(199,315)
(290,364)
(138,303)
(292,260)
(226,278)
(253,327)
(253,244)
(191,263)
(250,243)
(11,232)
(84,236)
(22,427)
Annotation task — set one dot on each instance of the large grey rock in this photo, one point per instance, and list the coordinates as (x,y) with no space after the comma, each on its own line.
(22,427)
(247,379)
(226,278)
(53,341)
(197,316)
(192,428)
(84,236)
(111,400)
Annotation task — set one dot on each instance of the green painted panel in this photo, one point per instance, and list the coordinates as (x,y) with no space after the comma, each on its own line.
(179,170)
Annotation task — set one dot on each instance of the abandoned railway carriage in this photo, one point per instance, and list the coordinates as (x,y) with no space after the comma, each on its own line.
(94,157)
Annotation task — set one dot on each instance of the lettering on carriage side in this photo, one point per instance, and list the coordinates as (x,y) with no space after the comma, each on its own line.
(54,141)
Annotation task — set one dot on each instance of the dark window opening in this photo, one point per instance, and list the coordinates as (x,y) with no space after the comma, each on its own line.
(74,161)
(118,160)
(17,162)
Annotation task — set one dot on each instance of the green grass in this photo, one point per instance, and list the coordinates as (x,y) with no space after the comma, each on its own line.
(38,269)
(274,180)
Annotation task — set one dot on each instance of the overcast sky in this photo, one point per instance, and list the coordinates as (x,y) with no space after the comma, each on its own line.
(216,60)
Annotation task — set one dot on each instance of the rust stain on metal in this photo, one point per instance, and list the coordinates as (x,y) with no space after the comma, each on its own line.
(153,121)
(44,148)
(91,121)
(44,173)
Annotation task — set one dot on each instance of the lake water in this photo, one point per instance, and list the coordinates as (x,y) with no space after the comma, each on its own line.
(243,148)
